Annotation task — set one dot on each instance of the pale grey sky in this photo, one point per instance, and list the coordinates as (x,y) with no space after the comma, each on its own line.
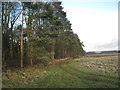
(95,22)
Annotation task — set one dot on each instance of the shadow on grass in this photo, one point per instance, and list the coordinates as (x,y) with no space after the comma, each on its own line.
(91,77)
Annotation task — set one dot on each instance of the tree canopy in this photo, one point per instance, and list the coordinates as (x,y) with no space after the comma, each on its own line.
(47,33)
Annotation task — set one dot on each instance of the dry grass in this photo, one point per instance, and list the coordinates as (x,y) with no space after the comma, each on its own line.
(84,72)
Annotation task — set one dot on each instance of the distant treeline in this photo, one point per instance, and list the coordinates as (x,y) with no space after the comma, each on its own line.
(112,51)
(47,34)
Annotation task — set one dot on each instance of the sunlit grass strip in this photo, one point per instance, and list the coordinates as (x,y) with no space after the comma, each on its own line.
(68,74)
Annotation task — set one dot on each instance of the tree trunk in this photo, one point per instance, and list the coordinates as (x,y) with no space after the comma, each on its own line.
(65,53)
(74,52)
(31,61)
(53,50)
(21,59)
(21,48)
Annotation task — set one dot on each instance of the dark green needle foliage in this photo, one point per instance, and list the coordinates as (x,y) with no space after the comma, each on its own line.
(48,33)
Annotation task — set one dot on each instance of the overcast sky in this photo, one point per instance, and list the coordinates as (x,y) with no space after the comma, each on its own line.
(95,22)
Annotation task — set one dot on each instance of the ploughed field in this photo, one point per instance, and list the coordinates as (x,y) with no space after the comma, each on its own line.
(90,71)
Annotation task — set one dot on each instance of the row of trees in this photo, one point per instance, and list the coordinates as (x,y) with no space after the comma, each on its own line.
(47,33)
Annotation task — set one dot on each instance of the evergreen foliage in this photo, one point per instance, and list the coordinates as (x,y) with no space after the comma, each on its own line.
(50,35)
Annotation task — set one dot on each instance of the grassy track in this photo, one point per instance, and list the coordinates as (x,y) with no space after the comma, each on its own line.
(85,72)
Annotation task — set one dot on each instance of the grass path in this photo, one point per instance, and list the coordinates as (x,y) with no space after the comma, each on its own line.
(85,72)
